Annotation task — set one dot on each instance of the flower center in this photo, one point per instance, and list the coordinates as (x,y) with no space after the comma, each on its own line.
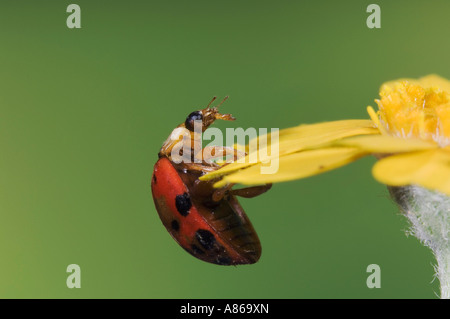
(415,109)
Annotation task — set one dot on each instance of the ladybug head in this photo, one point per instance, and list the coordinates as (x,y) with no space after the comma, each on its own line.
(208,115)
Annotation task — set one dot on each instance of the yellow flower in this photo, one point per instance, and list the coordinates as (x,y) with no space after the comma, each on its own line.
(410,134)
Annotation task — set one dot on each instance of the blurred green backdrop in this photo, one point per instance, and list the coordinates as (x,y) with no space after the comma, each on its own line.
(83,113)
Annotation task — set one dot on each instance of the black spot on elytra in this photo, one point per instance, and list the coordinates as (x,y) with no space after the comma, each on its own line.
(154,179)
(175,225)
(205,238)
(183,204)
(224,260)
(197,250)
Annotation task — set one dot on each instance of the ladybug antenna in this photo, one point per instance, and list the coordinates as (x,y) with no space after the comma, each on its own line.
(225,98)
(213,99)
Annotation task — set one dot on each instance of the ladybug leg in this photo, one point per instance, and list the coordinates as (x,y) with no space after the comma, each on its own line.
(247,192)
(220,193)
(200,168)
(209,153)
(250,192)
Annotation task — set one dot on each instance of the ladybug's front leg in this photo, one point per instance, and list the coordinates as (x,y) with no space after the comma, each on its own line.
(247,192)
(209,153)
(250,192)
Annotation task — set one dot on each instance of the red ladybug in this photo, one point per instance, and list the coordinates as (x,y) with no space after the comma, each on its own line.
(208,223)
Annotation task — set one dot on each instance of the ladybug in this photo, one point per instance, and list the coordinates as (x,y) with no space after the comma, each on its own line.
(207,222)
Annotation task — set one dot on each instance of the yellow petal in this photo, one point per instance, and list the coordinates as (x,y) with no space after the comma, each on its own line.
(315,135)
(302,137)
(430,169)
(320,128)
(297,165)
(386,144)
(307,136)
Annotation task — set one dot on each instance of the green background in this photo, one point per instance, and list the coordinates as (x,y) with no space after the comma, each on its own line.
(84,112)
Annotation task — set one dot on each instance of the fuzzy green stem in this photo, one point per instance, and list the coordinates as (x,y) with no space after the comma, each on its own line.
(429,214)
(443,273)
